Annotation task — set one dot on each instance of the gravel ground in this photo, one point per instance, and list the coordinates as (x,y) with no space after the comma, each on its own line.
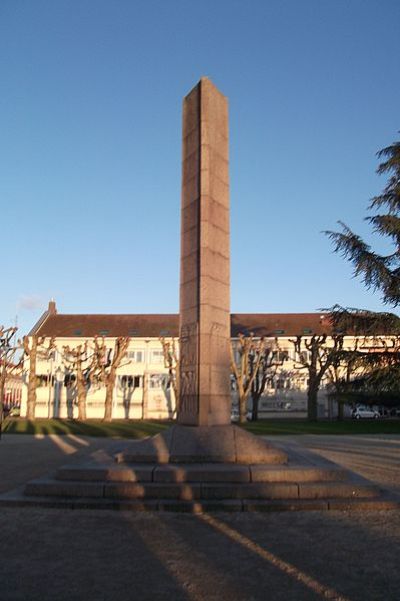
(102,555)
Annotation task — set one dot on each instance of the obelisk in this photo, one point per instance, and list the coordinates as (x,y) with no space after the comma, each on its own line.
(205,398)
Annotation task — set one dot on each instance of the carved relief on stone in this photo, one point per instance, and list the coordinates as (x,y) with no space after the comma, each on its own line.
(218,329)
(189,358)
(188,344)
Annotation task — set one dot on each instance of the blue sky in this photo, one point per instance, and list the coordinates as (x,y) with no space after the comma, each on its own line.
(90,146)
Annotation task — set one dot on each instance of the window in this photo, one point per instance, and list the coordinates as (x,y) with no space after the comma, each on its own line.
(307,331)
(77,332)
(164,333)
(278,332)
(156,356)
(44,380)
(158,381)
(104,332)
(136,355)
(280,356)
(69,380)
(305,356)
(133,332)
(130,382)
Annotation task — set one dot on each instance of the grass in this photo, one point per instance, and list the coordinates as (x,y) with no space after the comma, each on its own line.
(92,427)
(293,426)
(141,429)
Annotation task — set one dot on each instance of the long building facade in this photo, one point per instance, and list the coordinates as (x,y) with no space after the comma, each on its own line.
(142,388)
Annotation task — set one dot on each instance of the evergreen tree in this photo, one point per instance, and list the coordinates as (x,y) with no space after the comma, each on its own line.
(379,272)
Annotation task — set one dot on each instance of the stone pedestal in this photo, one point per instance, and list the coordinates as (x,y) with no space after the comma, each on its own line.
(203,444)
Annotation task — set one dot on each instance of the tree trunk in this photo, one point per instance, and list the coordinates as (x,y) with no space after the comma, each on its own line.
(256,401)
(2,388)
(340,411)
(242,408)
(31,401)
(81,392)
(109,395)
(312,404)
(145,395)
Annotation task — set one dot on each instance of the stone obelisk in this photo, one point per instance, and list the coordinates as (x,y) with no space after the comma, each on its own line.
(205,398)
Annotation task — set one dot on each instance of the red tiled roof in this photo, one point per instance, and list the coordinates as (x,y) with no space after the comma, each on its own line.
(155,325)
(279,324)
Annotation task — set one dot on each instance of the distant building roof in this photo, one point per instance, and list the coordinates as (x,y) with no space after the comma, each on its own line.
(155,325)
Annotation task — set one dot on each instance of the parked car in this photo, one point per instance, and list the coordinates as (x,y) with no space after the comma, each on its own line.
(364,412)
(235,415)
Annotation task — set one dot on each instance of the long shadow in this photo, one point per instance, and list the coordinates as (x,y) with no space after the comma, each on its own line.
(128,392)
(298,556)
(88,555)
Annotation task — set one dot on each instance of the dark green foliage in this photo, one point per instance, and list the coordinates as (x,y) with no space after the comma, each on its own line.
(361,322)
(375,357)
(379,386)
(379,272)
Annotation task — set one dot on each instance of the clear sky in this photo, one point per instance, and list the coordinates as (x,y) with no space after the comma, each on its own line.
(90,146)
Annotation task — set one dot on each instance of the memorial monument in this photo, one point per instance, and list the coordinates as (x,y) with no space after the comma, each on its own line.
(203,462)
(204,289)
(204,432)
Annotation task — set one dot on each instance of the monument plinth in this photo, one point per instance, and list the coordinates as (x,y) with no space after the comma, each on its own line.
(204,289)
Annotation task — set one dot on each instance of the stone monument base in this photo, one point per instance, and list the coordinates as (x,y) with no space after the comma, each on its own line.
(202,444)
(188,475)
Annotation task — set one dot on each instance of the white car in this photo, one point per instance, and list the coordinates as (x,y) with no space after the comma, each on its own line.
(235,415)
(364,412)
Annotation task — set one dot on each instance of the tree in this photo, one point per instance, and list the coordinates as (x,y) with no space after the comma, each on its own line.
(245,367)
(267,368)
(34,347)
(106,363)
(368,369)
(341,373)
(171,362)
(316,356)
(378,271)
(80,361)
(8,365)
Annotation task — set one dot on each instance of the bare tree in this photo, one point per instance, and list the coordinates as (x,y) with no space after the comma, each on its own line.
(316,356)
(8,365)
(106,363)
(271,359)
(245,367)
(33,347)
(171,362)
(80,360)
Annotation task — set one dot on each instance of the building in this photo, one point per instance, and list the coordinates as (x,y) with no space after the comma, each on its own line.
(142,387)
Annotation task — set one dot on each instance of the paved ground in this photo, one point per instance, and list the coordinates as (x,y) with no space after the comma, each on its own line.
(100,555)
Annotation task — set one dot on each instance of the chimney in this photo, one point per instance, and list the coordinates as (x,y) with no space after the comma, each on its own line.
(52,310)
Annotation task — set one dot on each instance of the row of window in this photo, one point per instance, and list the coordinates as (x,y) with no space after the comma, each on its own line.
(123,382)
(154,381)
(138,356)
(156,356)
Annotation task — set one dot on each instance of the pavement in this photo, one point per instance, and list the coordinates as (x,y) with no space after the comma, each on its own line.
(102,555)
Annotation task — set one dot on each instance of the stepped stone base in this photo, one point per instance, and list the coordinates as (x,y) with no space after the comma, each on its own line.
(306,482)
(203,444)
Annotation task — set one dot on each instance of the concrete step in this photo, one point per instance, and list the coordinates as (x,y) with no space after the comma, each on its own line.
(198,473)
(18,499)
(200,490)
